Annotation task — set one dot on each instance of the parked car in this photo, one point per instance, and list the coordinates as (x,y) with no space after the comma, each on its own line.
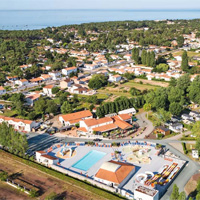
(97,140)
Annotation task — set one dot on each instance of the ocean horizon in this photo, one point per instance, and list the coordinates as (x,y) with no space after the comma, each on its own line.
(37,19)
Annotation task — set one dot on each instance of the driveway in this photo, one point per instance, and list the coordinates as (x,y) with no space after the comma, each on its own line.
(144,122)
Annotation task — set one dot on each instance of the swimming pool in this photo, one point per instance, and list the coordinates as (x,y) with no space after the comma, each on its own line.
(89,160)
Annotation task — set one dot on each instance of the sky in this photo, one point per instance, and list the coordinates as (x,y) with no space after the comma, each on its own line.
(98,4)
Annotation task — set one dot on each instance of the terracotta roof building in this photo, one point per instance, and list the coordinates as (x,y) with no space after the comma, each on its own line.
(73,118)
(114,174)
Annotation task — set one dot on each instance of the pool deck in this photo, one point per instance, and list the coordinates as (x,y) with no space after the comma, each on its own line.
(155,165)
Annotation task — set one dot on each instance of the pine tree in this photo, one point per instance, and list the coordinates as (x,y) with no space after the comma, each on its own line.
(143,56)
(175,193)
(184,64)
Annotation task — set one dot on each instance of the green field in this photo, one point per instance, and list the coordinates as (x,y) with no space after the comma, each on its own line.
(140,86)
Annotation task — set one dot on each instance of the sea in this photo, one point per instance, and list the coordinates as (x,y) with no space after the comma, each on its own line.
(37,19)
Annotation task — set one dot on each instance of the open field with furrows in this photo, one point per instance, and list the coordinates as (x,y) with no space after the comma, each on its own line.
(123,89)
(46,180)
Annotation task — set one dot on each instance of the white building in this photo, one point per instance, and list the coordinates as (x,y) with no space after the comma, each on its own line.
(114,78)
(48,90)
(56,75)
(128,111)
(22,82)
(44,158)
(144,193)
(68,71)
(18,124)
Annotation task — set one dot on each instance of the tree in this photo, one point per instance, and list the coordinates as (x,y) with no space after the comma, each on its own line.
(184,82)
(40,106)
(161,68)
(198,196)
(180,41)
(175,94)
(51,107)
(198,185)
(97,81)
(194,90)
(134,91)
(196,129)
(175,193)
(66,107)
(143,56)
(173,82)
(147,108)
(55,90)
(163,115)
(184,63)
(135,55)
(182,196)
(175,108)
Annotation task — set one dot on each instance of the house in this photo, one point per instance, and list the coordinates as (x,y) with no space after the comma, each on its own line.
(91,66)
(19,124)
(114,78)
(74,118)
(46,77)
(78,89)
(177,127)
(12,78)
(2,90)
(114,174)
(194,114)
(32,98)
(195,153)
(22,82)
(48,90)
(162,130)
(128,57)
(145,193)
(186,117)
(56,75)
(68,71)
(44,158)
(36,80)
(66,83)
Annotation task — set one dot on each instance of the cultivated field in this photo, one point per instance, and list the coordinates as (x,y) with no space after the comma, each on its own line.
(47,183)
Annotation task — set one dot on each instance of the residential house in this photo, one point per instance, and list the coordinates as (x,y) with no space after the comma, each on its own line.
(18,124)
(56,75)
(48,90)
(2,90)
(128,57)
(66,83)
(32,98)
(68,71)
(22,82)
(114,78)
(177,127)
(162,130)
(73,118)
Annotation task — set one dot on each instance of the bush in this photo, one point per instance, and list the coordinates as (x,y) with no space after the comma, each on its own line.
(3,176)
(33,193)
(184,148)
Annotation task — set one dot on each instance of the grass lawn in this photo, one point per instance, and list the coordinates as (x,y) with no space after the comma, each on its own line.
(139,86)
(190,53)
(115,92)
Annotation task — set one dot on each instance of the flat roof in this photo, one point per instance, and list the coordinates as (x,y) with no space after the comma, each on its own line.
(147,191)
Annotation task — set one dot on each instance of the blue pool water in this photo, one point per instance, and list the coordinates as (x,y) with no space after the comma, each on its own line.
(89,160)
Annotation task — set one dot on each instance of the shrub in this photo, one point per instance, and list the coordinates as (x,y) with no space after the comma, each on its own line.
(3,176)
